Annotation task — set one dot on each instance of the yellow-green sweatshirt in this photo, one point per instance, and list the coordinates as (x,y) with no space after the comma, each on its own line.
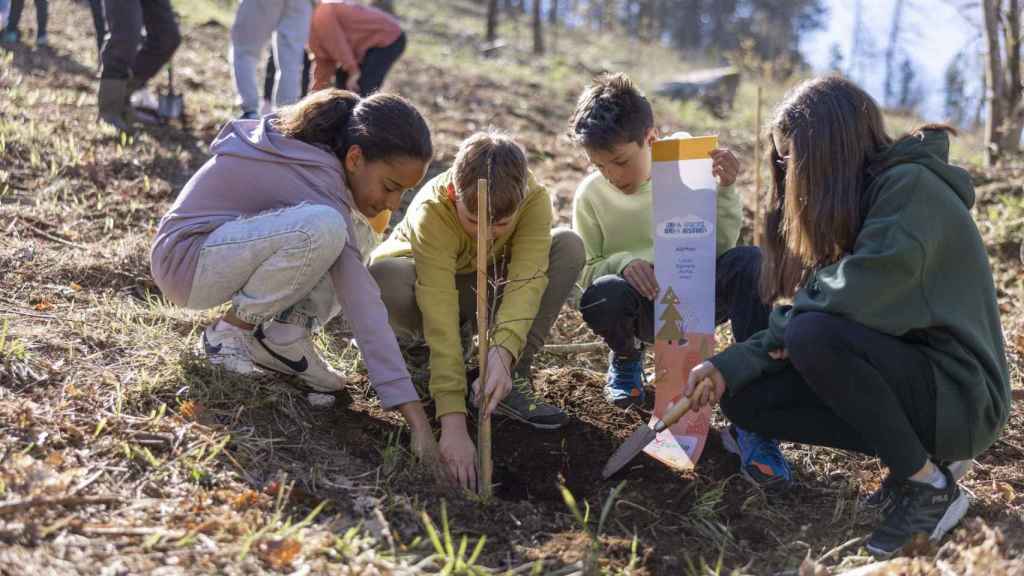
(616,227)
(431,234)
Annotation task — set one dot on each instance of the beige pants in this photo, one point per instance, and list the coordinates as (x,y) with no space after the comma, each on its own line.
(397,280)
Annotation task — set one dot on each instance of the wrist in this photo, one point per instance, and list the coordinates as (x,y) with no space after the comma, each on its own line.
(414,415)
(453,423)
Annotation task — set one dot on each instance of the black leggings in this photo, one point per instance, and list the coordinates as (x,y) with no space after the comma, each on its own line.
(615,311)
(42,14)
(374,68)
(848,387)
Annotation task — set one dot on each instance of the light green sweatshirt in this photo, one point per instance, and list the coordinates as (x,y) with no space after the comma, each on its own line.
(616,227)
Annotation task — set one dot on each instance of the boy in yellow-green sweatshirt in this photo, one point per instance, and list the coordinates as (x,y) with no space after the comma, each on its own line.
(614,124)
(426,272)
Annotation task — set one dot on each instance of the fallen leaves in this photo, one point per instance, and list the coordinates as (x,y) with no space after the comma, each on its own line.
(279,554)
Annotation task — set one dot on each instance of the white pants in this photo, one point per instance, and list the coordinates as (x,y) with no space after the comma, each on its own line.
(255,22)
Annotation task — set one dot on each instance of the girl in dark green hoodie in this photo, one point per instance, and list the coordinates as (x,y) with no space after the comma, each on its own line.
(889,341)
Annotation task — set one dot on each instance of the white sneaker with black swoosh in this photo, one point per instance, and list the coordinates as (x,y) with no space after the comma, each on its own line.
(297,357)
(226,347)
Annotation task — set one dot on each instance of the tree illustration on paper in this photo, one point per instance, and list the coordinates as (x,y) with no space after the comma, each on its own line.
(670,329)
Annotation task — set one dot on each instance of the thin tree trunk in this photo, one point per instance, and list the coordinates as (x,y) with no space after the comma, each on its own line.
(890,53)
(553,12)
(1013,115)
(993,81)
(538,28)
(492,21)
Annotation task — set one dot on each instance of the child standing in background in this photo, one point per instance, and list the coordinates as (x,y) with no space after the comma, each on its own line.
(426,271)
(614,124)
(354,44)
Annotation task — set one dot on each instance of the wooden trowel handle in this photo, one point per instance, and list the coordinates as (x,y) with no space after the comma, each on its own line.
(676,411)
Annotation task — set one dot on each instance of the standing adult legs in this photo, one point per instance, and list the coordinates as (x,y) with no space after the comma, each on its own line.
(255,21)
(289,49)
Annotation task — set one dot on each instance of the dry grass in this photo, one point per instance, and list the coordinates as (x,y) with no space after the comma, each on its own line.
(120,451)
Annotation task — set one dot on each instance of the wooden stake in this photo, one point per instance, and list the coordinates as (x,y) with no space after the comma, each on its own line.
(483,434)
(758,201)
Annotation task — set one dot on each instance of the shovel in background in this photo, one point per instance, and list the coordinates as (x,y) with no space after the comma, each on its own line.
(645,434)
(171,104)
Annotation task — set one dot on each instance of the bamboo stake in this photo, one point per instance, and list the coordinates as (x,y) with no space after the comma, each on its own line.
(483,435)
(758,201)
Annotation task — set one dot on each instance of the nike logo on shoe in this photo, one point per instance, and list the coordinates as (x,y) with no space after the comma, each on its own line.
(297,366)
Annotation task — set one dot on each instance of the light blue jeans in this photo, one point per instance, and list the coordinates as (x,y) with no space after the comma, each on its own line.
(255,22)
(274,264)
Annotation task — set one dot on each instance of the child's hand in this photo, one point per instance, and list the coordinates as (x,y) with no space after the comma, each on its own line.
(424,445)
(499,378)
(457,451)
(709,394)
(724,166)
(640,275)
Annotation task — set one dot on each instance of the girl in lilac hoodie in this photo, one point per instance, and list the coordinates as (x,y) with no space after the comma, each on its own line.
(270,224)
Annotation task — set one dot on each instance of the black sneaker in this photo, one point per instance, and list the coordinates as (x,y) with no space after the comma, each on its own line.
(521,404)
(918,508)
(884,496)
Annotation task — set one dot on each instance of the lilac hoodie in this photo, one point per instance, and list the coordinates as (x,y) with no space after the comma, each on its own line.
(255,169)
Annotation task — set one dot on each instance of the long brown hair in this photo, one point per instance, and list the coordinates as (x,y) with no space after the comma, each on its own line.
(834,130)
(383,125)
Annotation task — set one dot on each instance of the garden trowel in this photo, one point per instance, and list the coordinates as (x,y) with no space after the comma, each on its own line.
(646,433)
(172,104)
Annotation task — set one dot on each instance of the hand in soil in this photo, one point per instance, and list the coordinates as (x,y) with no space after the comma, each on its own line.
(708,396)
(457,450)
(424,445)
(499,378)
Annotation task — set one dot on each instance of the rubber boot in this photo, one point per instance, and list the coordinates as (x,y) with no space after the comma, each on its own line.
(113,101)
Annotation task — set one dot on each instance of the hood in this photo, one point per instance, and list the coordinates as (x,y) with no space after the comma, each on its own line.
(259,140)
(928,148)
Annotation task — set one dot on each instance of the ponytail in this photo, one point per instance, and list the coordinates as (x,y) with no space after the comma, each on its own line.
(383,125)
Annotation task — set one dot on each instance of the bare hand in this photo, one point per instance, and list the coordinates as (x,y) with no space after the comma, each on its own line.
(424,445)
(352,82)
(457,451)
(724,166)
(640,275)
(499,378)
(780,354)
(708,396)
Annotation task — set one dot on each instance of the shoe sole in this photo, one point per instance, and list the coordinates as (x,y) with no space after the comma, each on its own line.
(954,514)
(515,416)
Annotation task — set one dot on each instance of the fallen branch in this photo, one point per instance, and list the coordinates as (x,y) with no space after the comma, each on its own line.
(575,348)
(8,508)
(56,239)
(129,531)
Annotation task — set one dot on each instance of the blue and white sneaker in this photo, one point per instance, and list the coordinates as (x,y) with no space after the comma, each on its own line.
(761,459)
(624,383)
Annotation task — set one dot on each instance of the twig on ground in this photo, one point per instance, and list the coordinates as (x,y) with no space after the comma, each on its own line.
(8,508)
(575,348)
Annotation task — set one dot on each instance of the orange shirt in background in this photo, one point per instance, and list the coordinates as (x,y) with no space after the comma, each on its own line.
(340,35)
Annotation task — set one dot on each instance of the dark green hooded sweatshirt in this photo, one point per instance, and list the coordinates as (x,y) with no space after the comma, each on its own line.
(918,271)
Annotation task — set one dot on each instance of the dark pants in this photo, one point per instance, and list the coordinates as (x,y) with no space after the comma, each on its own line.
(122,58)
(42,13)
(98,24)
(618,313)
(374,68)
(848,387)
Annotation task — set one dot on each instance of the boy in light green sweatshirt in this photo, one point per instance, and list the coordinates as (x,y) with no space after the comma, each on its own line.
(426,271)
(614,124)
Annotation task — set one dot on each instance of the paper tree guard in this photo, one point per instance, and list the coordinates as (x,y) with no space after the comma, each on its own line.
(683,219)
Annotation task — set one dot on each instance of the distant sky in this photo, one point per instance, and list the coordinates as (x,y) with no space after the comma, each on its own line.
(933,31)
